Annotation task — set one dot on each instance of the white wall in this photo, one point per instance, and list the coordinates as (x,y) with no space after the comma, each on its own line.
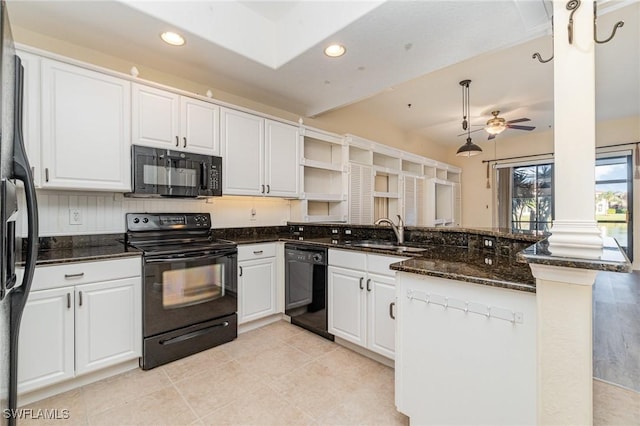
(104,213)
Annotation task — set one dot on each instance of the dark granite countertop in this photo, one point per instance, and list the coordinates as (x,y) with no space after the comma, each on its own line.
(454,259)
(613,258)
(463,264)
(457,263)
(82,248)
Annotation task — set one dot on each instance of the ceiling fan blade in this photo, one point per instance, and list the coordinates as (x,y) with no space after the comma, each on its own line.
(518,120)
(520,127)
(463,134)
(491,137)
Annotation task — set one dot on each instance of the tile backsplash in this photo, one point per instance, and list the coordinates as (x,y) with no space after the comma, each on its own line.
(103,212)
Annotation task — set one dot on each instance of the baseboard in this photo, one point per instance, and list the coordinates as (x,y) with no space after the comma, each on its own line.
(252,325)
(366,352)
(76,382)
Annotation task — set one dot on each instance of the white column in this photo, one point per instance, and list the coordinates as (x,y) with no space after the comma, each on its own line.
(574,231)
(564,345)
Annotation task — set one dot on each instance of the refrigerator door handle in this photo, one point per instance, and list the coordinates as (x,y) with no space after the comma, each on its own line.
(21,171)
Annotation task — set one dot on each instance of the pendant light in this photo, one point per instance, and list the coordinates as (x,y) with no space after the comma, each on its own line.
(468,149)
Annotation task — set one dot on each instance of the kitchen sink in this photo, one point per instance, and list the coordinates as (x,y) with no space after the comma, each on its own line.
(386,245)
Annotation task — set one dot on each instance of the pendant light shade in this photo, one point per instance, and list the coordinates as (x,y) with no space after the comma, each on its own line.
(468,149)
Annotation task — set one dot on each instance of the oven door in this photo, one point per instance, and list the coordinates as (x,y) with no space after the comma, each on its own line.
(186,289)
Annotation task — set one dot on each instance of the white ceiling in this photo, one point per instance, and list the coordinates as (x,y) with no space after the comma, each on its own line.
(398,53)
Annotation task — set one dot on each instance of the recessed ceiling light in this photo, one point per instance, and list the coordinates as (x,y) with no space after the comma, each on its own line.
(335,50)
(172,38)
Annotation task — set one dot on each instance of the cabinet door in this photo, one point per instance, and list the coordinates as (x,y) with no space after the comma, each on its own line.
(46,343)
(242,153)
(347,310)
(156,117)
(256,289)
(381,326)
(31,112)
(410,210)
(282,155)
(200,126)
(86,132)
(108,323)
(360,194)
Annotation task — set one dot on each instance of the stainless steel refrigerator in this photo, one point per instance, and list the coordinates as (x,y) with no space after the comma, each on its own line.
(13,166)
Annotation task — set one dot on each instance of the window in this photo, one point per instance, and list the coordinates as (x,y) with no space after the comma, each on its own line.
(614,192)
(525,197)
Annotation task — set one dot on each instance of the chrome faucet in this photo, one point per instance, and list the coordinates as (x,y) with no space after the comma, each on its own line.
(398,230)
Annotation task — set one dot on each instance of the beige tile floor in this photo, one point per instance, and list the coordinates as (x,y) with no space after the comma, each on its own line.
(276,375)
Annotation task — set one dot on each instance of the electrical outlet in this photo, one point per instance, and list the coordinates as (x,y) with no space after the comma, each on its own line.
(489,242)
(75,217)
(253,214)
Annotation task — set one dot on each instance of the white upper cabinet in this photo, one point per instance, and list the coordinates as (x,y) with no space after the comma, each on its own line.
(156,119)
(167,120)
(86,133)
(255,165)
(31,112)
(242,153)
(200,126)
(282,159)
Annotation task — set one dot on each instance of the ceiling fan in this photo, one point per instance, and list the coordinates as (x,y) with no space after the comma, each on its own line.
(497,125)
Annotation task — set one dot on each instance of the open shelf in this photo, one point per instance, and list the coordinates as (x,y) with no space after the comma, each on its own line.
(323,181)
(322,165)
(316,151)
(360,155)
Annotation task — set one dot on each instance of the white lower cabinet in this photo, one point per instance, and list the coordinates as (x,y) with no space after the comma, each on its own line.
(362,300)
(46,328)
(257,283)
(79,318)
(347,304)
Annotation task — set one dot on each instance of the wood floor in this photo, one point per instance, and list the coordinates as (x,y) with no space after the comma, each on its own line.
(616,329)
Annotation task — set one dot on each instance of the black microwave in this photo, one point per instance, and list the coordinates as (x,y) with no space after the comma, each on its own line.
(166,173)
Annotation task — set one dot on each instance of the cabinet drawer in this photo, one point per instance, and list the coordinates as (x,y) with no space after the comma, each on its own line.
(256,251)
(380,264)
(348,259)
(46,277)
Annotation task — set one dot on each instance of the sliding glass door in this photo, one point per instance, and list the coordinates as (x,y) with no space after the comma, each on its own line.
(614,199)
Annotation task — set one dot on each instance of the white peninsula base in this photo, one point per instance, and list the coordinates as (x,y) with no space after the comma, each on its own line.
(468,356)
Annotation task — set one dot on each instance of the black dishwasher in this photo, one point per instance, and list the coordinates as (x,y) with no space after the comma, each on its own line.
(306,287)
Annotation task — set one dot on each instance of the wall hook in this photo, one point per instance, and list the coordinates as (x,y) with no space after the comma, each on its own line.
(538,56)
(618,24)
(572,5)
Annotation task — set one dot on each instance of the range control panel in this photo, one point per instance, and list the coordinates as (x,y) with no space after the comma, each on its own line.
(167,221)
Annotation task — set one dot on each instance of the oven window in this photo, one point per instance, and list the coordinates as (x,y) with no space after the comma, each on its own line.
(190,286)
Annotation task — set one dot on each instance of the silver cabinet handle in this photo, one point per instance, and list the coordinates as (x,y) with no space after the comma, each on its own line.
(391,305)
(257,252)
(361,280)
(46,174)
(240,270)
(68,276)
(184,145)
(369,284)
(79,298)
(68,300)
(268,189)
